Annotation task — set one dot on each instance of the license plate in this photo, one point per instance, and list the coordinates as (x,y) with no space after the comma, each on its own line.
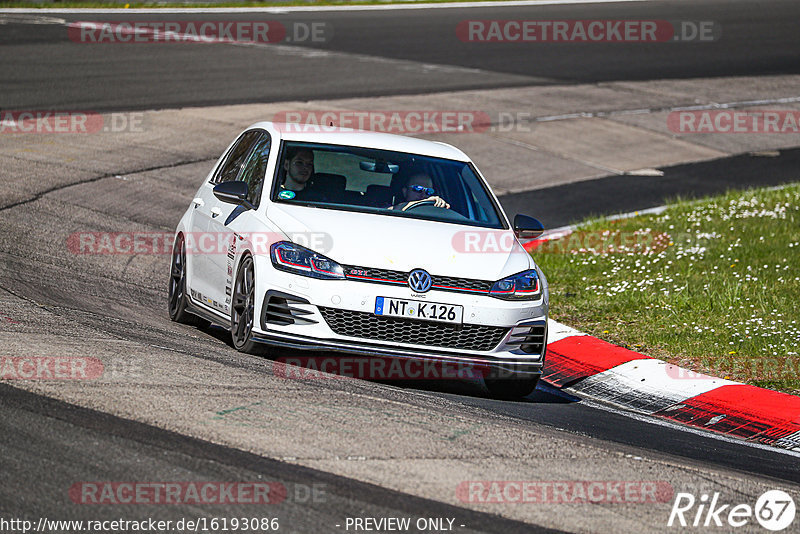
(416,309)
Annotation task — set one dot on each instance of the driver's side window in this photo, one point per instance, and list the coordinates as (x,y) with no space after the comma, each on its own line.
(229,170)
(255,169)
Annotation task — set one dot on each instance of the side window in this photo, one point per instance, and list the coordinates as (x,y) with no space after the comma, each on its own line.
(256,168)
(233,163)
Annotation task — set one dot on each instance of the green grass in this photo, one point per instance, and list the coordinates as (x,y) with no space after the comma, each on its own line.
(711,285)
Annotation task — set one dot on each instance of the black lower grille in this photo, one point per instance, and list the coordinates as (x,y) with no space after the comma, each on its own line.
(277,309)
(369,326)
(532,341)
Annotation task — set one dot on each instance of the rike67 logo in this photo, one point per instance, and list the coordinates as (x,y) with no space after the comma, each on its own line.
(774,510)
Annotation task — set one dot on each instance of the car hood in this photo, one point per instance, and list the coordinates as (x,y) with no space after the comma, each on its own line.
(403,244)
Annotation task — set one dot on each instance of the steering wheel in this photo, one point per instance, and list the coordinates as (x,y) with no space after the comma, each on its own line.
(420,203)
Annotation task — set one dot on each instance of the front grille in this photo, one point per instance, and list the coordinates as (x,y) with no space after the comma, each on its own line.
(441,283)
(532,341)
(375,275)
(444,282)
(369,326)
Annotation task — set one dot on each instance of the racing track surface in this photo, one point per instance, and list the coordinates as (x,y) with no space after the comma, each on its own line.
(420,439)
(177,403)
(375,53)
(611,195)
(122,449)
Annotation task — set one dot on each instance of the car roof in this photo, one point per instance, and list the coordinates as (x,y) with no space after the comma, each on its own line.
(312,133)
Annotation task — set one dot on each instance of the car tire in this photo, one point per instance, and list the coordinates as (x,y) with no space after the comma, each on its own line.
(511,388)
(177,299)
(243,308)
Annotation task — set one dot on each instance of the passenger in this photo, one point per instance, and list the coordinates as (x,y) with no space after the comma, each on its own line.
(299,181)
(299,167)
(418,188)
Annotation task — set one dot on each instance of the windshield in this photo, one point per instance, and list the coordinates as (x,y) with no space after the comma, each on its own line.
(383,182)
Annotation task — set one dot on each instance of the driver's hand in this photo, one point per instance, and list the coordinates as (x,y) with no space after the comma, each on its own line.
(439,202)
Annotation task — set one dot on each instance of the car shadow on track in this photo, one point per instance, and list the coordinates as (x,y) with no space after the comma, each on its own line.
(544,393)
(464,387)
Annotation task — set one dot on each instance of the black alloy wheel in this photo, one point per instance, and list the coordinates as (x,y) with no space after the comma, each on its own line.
(243,307)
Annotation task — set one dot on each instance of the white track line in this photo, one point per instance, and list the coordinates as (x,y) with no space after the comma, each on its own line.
(600,405)
(646,111)
(305,9)
(278,48)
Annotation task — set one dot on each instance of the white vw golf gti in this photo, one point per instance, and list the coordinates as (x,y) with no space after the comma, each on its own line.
(328,239)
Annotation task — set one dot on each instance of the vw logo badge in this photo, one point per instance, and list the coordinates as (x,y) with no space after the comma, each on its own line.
(419,280)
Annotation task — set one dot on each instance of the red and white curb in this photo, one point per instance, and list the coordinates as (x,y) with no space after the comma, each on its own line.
(589,367)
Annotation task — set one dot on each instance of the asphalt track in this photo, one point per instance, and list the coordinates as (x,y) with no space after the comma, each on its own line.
(92,445)
(616,194)
(55,301)
(375,53)
(47,445)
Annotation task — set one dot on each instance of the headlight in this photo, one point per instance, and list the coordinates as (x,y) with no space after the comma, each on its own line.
(522,286)
(287,256)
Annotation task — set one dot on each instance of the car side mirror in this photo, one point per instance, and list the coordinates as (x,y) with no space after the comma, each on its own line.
(527,227)
(233,192)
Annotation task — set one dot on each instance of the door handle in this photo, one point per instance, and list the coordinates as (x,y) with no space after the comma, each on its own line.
(216,212)
(198,202)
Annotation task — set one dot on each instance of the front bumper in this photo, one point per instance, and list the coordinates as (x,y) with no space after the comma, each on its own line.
(298,322)
(494,367)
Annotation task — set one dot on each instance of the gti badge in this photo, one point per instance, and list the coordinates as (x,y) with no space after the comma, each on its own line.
(419,280)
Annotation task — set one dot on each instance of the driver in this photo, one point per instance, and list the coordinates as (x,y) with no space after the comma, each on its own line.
(418,188)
